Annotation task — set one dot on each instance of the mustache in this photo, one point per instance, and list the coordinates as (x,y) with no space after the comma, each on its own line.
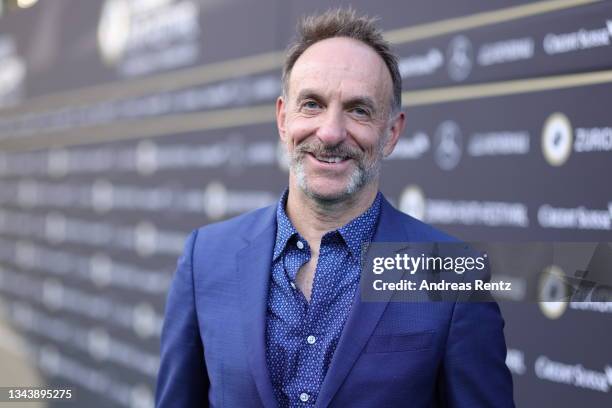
(318,149)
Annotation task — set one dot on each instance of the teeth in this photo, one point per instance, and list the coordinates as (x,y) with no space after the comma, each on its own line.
(330,159)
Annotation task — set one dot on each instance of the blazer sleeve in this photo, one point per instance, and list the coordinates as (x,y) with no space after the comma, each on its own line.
(474,369)
(182,380)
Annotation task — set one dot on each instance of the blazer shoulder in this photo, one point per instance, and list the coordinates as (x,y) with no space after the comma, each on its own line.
(237,228)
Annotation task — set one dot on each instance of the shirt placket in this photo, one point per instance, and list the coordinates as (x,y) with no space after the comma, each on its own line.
(301,389)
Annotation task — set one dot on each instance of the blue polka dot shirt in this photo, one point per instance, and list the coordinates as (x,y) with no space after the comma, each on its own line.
(301,336)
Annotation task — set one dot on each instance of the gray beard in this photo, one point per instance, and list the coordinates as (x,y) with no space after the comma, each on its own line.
(360,177)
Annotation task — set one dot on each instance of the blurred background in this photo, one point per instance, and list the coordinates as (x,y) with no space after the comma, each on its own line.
(125,124)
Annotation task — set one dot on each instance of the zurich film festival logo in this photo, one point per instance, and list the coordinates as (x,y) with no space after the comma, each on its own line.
(588,289)
(142,36)
(460,58)
(448,145)
(552,292)
(557,139)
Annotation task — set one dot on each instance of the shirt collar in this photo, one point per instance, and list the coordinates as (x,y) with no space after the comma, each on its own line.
(359,230)
(284,228)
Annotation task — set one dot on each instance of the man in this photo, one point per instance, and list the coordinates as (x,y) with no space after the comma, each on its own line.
(265,310)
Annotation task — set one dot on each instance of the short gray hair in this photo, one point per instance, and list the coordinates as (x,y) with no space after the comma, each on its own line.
(343,22)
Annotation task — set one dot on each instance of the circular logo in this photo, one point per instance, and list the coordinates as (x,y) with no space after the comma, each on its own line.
(146,239)
(98,343)
(215,200)
(101,269)
(552,292)
(557,138)
(146,157)
(459,57)
(102,196)
(55,227)
(448,145)
(412,202)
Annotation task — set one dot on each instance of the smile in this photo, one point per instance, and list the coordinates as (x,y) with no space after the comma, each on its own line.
(330,159)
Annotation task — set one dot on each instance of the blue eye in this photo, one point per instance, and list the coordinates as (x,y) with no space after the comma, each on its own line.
(310,105)
(361,112)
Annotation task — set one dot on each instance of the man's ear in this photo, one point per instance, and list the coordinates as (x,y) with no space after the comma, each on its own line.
(281,113)
(396,128)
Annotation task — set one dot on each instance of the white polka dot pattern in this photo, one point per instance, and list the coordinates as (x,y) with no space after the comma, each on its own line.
(301,336)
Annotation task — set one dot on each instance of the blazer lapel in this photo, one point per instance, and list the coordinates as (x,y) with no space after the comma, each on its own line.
(254,267)
(364,316)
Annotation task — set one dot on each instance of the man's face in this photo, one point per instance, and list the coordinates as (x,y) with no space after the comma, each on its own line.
(335,120)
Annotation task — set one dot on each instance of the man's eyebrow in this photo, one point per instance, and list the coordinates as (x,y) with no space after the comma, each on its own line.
(308,94)
(352,102)
(361,101)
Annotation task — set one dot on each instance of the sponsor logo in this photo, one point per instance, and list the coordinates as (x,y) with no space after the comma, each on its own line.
(573,374)
(143,36)
(421,65)
(505,51)
(574,218)
(412,202)
(599,307)
(459,58)
(12,72)
(499,143)
(583,39)
(411,148)
(448,145)
(557,138)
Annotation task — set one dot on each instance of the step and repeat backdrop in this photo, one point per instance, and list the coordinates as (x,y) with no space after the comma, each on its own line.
(125,124)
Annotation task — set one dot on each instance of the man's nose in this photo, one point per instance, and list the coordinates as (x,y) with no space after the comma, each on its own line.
(332,129)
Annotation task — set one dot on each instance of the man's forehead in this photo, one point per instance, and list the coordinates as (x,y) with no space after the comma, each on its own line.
(340,61)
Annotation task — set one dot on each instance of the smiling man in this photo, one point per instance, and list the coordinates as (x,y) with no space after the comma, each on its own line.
(264,309)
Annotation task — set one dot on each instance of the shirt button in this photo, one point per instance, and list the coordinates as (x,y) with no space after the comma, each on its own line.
(292,285)
(300,245)
(311,339)
(304,397)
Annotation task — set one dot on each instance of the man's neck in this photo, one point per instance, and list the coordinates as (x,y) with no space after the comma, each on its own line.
(313,219)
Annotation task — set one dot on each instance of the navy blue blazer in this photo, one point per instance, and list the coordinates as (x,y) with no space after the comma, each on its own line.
(390,354)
